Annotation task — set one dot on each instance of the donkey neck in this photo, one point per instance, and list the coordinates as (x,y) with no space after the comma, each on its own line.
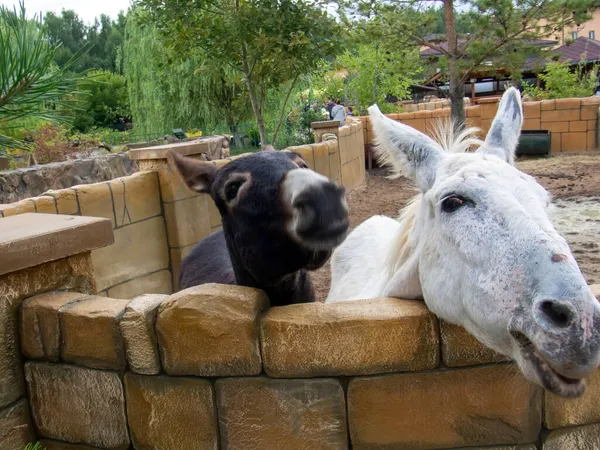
(402,264)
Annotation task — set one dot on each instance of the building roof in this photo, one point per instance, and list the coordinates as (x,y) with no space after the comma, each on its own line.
(581,48)
(429,52)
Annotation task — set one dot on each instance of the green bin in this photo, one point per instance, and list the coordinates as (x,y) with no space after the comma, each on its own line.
(534,142)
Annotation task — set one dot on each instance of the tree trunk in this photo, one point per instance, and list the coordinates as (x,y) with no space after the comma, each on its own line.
(456,88)
(255,106)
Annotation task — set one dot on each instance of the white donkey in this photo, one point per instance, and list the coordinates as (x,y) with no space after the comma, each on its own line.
(477,245)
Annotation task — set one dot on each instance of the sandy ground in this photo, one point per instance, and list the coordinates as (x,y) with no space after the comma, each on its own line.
(573,180)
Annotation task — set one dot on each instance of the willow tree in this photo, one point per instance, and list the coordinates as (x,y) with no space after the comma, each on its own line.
(176,90)
(269,43)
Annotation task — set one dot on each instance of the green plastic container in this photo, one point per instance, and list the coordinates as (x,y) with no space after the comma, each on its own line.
(534,143)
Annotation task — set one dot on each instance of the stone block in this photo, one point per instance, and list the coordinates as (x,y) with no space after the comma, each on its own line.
(141,197)
(532,110)
(592,140)
(344,149)
(501,447)
(555,142)
(77,405)
(321,152)
(564,115)
(485,125)
(145,246)
(24,206)
(591,125)
(15,427)
(404,116)
(423,115)
(91,336)
(211,330)
(263,413)
(66,201)
(72,273)
(50,444)
(187,220)
(137,328)
(578,125)
(172,188)
(488,110)
(474,122)
(574,142)
(473,111)
(560,412)
(39,324)
(335,166)
(459,348)
(568,103)
(594,100)
(45,205)
(155,283)
(349,338)
(548,105)
(578,438)
(555,127)
(484,406)
(96,200)
(171,413)
(531,124)
(589,112)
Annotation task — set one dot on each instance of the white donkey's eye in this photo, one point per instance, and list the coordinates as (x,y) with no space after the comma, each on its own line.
(453,202)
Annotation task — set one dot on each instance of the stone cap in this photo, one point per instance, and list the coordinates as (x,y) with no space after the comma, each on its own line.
(195,147)
(325,124)
(30,239)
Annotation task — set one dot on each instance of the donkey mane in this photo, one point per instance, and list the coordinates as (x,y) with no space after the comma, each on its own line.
(452,139)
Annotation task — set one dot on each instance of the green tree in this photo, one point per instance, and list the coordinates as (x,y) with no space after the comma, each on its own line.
(31,85)
(560,81)
(177,90)
(497,30)
(105,101)
(270,43)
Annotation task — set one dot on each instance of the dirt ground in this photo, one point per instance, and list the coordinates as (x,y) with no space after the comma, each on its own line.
(573,180)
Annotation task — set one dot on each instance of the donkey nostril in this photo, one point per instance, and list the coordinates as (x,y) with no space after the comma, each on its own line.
(559,314)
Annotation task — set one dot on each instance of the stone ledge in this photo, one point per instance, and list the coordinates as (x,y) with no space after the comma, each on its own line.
(325,124)
(349,338)
(194,147)
(31,239)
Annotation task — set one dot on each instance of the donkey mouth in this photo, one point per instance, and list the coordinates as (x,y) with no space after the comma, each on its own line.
(548,377)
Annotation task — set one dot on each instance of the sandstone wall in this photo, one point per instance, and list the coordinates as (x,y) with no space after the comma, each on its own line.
(19,184)
(157,220)
(212,367)
(573,122)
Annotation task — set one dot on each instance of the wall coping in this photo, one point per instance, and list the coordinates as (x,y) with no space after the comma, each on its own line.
(325,124)
(30,239)
(195,147)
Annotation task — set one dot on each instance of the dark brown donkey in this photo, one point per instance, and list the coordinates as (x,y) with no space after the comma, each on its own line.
(280,219)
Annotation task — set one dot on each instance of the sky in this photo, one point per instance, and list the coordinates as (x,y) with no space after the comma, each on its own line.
(85,9)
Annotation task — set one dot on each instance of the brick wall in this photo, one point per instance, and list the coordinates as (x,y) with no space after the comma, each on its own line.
(212,367)
(573,122)
(157,220)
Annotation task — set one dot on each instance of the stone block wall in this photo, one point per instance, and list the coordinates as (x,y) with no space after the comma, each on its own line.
(573,122)
(213,367)
(442,103)
(157,220)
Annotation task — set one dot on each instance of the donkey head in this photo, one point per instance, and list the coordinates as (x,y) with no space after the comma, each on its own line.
(278,215)
(489,258)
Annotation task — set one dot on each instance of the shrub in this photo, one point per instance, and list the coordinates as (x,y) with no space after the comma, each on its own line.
(562,82)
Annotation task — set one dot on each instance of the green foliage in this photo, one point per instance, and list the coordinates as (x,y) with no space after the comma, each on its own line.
(561,81)
(105,101)
(270,43)
(36,446)
(31,85)
(103,39)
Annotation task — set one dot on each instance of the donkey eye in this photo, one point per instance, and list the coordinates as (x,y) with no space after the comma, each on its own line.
(231,190)
(452,203)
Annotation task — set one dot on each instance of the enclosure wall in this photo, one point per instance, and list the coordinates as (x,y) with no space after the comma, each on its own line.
(157,220)
(572,122)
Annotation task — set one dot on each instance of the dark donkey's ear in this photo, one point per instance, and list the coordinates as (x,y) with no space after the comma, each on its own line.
(197,175)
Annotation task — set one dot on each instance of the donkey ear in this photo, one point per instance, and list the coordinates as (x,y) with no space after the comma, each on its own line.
(503,137)
(197,175)
(410,152)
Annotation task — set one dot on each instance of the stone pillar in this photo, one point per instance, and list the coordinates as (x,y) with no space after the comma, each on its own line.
(323,127)
(40,253)
(189,216)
